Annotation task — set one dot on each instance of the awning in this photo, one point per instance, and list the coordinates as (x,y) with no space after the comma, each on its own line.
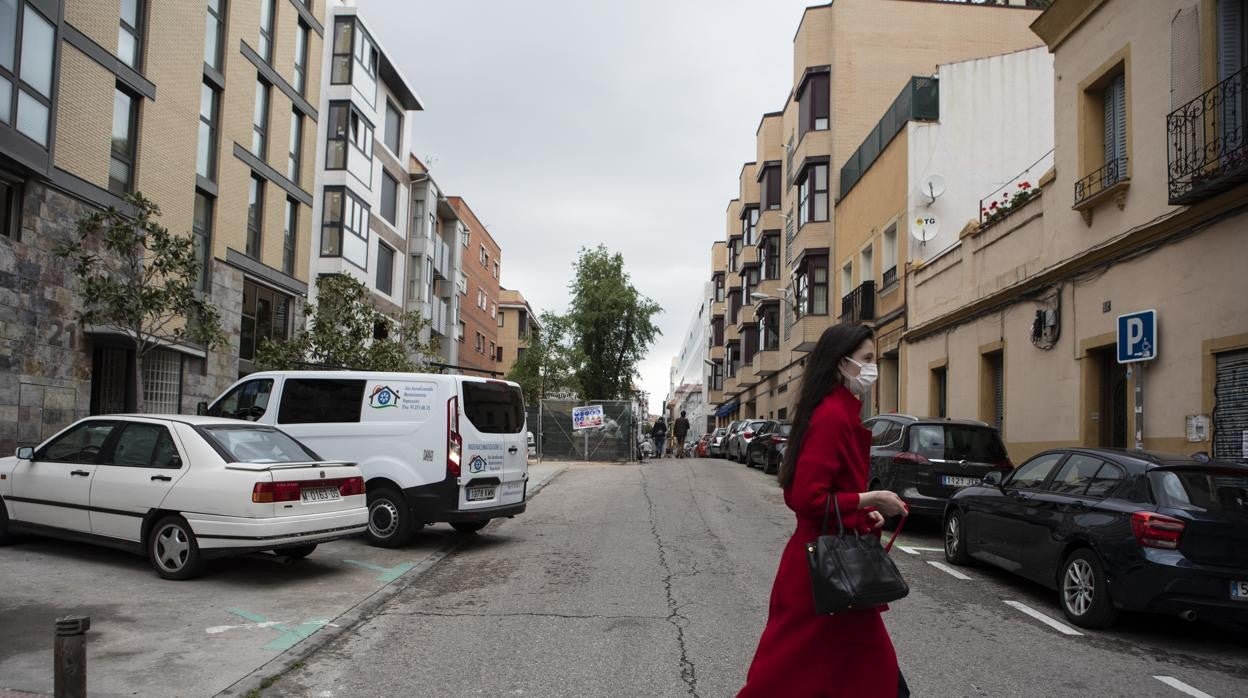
(727,409)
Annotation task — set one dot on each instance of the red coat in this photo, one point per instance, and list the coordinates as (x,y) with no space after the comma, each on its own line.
(801,654)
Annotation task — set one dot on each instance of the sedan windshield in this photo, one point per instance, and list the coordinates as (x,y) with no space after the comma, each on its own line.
(1201,489)
(256,444)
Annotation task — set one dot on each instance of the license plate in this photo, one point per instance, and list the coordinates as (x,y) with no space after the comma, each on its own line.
(476,494)
(1239,591)
(319,494)
(955,481)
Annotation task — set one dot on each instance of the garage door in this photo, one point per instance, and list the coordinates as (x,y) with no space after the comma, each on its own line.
(1230,411)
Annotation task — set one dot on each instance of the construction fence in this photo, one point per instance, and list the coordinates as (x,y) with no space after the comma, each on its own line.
(614,441)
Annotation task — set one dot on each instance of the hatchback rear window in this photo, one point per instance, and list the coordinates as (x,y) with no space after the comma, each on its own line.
(1201,489)
(257,445)
(783,429)
(494,408)
(957,442)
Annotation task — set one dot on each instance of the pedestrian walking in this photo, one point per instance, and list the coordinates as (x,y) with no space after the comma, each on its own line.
(681,429)
(802,654)
(658,432)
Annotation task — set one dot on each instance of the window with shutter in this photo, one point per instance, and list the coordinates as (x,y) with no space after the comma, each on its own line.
(1115,130)
(1231,59)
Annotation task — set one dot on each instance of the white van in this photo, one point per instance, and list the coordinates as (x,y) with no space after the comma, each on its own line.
(432,447)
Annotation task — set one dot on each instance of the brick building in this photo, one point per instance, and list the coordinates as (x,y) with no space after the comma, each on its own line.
(479,292)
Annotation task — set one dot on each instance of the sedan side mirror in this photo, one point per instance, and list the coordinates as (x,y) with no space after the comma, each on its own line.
(993,479)
(26,453)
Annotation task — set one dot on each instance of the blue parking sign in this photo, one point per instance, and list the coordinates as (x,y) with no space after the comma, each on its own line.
(1137,337)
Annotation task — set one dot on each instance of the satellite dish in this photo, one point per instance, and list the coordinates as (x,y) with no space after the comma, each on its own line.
(924,225)
(932,187)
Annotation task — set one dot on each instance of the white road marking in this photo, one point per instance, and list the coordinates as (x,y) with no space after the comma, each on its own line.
(949,570)
(1180,686)
(250,626)
(914,549)
(1059,627)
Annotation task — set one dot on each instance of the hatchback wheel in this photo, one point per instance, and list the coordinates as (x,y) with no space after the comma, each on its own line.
(389,519)
(298,552)
(173,550)
(469,526)
(955,539)
(1084,591)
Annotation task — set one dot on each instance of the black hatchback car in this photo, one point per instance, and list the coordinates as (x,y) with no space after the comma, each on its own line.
(1114,530)
(764,451)
(925,461)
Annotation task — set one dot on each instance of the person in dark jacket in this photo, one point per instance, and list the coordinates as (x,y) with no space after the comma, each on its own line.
(658,432)
(681,429)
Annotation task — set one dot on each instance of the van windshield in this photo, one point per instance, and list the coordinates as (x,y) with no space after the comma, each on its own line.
(494,407)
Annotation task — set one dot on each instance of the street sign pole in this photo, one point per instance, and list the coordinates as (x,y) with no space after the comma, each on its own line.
(1139,405)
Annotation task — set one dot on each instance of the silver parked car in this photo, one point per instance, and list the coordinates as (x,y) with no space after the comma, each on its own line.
(740,440)
(715,449)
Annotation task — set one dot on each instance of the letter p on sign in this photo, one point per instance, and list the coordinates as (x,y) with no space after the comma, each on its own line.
(1137,337)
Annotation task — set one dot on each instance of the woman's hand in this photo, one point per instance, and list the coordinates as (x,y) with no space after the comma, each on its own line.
(875,519)
(888,503)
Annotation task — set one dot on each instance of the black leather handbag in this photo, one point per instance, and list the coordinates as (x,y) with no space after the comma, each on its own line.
(851,572)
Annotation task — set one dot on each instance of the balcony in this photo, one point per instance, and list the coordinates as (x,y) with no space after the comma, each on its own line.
(1101,184)
(747,375)
(805,333)
(717,353)
(1208,142)
(438,314)
(768,363)
(859,304)
(890,276)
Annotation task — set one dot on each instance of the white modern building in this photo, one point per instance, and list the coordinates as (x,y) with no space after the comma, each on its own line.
(690,371)
(435,282)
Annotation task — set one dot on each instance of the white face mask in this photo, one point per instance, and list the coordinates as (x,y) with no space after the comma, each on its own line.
(861,384)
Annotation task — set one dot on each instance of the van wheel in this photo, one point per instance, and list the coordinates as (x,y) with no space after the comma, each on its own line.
(389,519)
(173,550)
(469,526)
(298,552)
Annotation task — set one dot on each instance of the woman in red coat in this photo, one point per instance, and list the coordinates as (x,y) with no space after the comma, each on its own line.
(801,654)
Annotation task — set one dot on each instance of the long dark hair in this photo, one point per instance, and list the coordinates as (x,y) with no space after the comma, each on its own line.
(823,374)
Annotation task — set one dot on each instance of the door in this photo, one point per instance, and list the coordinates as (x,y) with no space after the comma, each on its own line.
(1112,400)
(997,531)
(1230,409)
(495,459)
(136,471)
(54,487)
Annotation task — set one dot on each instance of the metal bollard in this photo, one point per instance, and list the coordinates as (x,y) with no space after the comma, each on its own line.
(70,657)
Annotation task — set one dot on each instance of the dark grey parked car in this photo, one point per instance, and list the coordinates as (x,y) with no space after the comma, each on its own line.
(926,461)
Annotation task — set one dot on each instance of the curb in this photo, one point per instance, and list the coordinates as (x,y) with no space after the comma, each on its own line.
(271,671)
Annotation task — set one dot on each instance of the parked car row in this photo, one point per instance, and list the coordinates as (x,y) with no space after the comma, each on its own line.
(754,442)
(282,461)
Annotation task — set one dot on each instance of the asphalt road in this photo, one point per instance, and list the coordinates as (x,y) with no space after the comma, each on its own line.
(652,580)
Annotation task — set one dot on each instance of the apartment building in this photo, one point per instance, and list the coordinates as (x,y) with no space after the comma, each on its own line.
(850,59)
(363,182)
(690,377)
(481,271)
(517,326)
(434,259)
(102,98)
(1144,209)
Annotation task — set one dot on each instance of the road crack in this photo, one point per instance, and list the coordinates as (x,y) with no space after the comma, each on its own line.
(688,672)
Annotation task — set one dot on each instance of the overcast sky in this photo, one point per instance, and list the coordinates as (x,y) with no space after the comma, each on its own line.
(577,122)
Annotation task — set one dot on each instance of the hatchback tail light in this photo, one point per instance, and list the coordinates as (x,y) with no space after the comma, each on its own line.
(1153,530)
(454,443)
(747,434)
(911,458)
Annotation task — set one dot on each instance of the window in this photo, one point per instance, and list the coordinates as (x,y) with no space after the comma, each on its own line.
(992,389)
(321,401)
(497,270)
(144,446)
(214,34)
(1075,474)
(348,127)
(812,195)
(355,58)
(465,236)
(389,197)
(481,299)
(257,444)
(301,58)
(294,157)
(247,401)
(480,342)
(817,279)
(162,382)
(493,407)
(1032,474)
(940,391)
(847,277)
(494,352)
(385,269)
(813,99)
(769,327)
(32,82)
(889,262)
(209,122)
(255,215)
(462,332)
(801,291)
(1104,482)
(260,120)
(749,283)
(494,310)
(265,315)
(749,222)
(770,256)
(866,265)
(394,127)
(201,237)
(81,444)
(1212,490)
(1115,130)
(130,34)
(344,226)
(957,443)
(770,188)
(290,236)
(121,155)
(502,319)
(268,10)
(734,255)
(484,256)
(340,67)
(719,287)
(1232,57)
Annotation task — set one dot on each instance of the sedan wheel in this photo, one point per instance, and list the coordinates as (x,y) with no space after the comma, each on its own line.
(1085,594)
(173,550)
(955,540)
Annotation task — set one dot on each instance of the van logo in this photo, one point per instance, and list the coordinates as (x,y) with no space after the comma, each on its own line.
(383,397)
(476,465)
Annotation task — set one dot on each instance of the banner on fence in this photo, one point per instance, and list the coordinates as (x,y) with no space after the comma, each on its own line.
(587,417)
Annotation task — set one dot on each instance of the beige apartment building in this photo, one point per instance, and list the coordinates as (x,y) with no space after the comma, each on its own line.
(204,107)
(1144,209)
(517,326)
(850,58)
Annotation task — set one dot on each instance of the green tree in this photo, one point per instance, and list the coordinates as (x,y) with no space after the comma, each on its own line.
(345,330)
(611,325)
(545,369)
(139,279)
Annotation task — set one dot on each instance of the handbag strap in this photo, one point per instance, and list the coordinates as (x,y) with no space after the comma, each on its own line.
(840,524)
(897,533)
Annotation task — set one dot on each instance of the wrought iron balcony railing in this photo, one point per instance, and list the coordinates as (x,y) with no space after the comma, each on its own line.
(1208,142)
(890,276)
(859,304)
(1113,172)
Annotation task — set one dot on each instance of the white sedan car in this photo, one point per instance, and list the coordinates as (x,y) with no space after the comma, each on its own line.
(180,490)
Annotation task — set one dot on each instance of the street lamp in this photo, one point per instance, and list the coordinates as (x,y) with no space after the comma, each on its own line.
(785,293)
